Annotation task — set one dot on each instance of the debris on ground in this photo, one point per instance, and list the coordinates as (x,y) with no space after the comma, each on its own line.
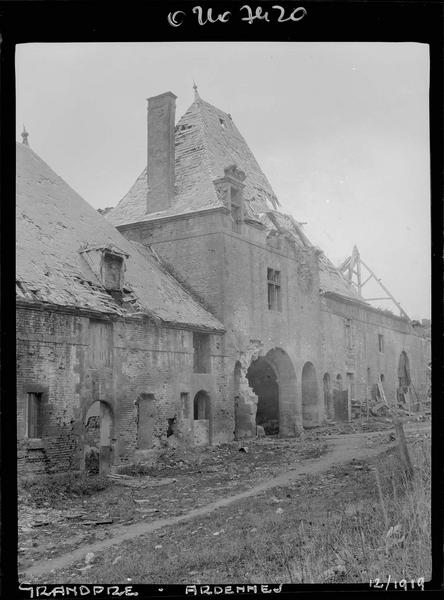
(54,520)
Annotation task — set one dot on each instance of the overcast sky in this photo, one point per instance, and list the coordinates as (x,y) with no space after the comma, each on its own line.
(340,130)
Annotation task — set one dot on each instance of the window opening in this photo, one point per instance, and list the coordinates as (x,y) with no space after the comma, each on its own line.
(274,289)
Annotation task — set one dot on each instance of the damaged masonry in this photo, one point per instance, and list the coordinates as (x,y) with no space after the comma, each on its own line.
(193,313)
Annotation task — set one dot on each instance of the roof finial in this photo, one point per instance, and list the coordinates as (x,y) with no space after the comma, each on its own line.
(25,135)
(196,93)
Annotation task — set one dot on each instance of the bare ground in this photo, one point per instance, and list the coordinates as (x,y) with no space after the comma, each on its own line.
(190,486)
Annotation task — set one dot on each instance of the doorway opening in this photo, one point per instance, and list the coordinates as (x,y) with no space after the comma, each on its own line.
(98,451)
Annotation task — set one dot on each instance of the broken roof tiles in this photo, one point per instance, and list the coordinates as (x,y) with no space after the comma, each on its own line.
(56,228)
(206,142)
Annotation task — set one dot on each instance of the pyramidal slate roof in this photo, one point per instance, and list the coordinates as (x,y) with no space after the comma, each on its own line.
(58,233)
(206,142)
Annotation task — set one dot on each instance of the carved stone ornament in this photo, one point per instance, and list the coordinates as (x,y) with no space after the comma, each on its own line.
(222,193)
(305,278)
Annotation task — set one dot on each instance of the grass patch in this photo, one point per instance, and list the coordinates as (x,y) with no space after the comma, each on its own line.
(333,527)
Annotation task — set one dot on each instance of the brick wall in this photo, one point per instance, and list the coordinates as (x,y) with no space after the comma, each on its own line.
(56,360)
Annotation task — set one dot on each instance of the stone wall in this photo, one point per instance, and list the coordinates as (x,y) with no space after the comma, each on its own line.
(228,270)
(363,357)
(72,361)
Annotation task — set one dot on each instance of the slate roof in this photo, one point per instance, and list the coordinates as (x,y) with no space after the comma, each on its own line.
(207,141)
(58,233)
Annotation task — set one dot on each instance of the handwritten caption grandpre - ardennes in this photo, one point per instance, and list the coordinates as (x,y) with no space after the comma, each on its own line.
(206,16)
(88,591)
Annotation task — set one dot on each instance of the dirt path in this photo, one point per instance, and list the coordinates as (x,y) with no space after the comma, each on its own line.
(342,449)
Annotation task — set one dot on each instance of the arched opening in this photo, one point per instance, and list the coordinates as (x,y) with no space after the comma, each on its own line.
(273,379)
(309,384)
(201,418)
(404,370)
(339,382)
(328,400)
(98,434)
(404,380)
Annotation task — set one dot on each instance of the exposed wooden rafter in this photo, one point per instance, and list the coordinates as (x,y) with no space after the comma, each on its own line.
(351,268)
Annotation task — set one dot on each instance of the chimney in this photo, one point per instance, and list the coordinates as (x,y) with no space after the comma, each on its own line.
(161,115)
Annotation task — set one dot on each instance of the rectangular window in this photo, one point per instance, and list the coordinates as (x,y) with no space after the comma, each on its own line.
(381,342)
(274,289)
(348,334)
(34,416)
(201,345)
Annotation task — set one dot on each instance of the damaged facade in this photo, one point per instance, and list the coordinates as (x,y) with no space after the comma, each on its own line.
(194,310)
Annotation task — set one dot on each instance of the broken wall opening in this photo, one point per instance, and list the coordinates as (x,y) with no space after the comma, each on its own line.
(262,380)
(98,434)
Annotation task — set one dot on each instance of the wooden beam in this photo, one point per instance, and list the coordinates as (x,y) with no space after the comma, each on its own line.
(402,311)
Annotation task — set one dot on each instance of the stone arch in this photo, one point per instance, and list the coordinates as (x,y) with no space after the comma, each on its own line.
(201,418)
(328,397)
(404,380)
(98,447)
(310,395)
(404,370)
(273,379)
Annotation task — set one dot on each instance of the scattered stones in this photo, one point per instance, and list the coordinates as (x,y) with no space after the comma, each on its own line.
(279,511)
(116,560)
(89,557)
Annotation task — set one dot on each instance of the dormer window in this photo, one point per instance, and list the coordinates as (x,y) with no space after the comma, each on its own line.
(222,123)
(108,265)
(230,193)
(112,271)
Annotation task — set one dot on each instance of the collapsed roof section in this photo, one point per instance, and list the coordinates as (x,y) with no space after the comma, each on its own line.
(61,246)
(206,142)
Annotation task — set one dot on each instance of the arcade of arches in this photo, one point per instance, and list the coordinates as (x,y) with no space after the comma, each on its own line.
(272,379)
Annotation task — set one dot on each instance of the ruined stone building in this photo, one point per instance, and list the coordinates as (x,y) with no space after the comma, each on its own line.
(195,309)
